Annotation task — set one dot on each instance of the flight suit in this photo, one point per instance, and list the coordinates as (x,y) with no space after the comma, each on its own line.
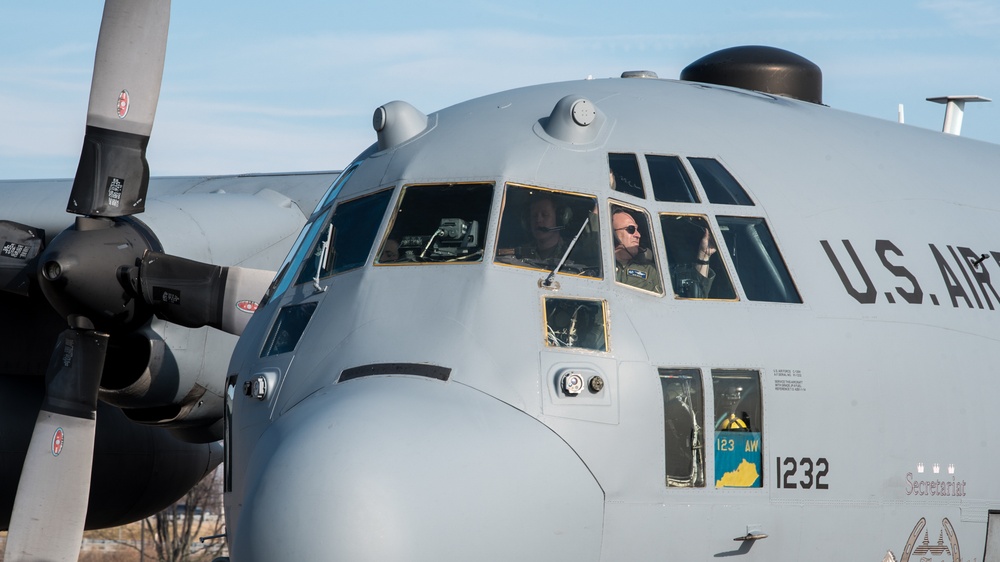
(639,273)
(552,255)
(688,283)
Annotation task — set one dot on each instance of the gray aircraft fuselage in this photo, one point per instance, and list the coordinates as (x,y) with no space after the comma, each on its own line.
(442,405)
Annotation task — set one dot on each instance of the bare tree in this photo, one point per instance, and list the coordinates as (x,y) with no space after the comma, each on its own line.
(172,535)
(176,530)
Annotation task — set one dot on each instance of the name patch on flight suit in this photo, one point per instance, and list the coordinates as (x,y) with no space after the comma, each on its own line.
(636,273)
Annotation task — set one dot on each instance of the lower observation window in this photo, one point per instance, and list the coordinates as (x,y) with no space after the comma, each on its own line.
(288,328)
(578,323)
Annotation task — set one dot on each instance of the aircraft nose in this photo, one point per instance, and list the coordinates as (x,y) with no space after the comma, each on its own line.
(404,468)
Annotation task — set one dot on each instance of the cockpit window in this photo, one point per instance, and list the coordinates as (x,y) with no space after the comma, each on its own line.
(625,176)
(286,273)
(696,268)
(307,237)
(540,227)
(635,256)
(344,242)
(670,180)
(336,186)
(758,263)
(720,186)
(438,223)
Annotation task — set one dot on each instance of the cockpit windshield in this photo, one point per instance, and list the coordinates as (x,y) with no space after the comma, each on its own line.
(438,223)
(540,227)
(757,260)
(697,271)
(345,241)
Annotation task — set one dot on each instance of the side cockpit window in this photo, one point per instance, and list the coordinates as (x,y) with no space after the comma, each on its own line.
(438,223)
(540,228)
(635,255)
(697,270)
(758,263)
(345,241)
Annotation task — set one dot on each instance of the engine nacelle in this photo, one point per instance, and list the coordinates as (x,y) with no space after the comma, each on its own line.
(169,376)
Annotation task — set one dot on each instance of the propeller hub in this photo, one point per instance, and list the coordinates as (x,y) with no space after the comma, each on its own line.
(80,271)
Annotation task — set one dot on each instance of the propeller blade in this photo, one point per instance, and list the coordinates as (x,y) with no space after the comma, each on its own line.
(113,175)
(20,244)
(52,496)
(195,294)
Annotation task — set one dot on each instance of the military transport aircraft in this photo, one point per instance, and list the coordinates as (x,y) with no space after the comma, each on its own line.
(616,319)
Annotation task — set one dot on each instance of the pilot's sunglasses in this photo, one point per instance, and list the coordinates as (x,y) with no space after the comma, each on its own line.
(630,228)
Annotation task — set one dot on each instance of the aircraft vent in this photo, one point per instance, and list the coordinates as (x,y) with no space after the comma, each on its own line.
(639,74)
(415,369)
(763,69)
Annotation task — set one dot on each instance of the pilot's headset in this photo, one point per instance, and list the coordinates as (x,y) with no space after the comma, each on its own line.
(563,213)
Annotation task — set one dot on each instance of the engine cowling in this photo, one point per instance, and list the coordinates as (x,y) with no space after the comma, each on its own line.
(168,376)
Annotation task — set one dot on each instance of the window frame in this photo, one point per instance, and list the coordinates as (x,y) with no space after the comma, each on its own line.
(654,251)
(717,374)
(605,320)
(394,216)
(721,256)
(570,231)
(328,218)
(699,408)
(689,173)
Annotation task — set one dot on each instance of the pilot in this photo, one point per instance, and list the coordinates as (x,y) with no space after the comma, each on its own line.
(390,251)
(634,265)
(547,244)
(694,279)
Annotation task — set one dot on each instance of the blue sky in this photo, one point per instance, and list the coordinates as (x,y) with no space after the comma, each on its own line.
(256,86)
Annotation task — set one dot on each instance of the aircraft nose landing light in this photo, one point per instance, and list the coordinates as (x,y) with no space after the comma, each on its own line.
(573,381)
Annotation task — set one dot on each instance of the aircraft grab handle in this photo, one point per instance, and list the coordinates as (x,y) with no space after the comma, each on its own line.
(751,537)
